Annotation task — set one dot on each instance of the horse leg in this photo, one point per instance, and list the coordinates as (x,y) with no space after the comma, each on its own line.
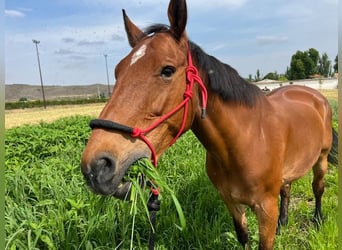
(237,211)
(267,215)
(284,206)
(240,223)
(319,170)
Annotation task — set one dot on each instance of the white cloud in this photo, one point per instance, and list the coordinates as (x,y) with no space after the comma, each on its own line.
(14,13)
(334,2)
(263,40)
(218,46)
(68,40)
(216,3)
(117,37)
(90,43)
(64,52)
(202,4)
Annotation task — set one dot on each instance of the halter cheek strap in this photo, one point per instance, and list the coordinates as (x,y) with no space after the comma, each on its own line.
(192,77)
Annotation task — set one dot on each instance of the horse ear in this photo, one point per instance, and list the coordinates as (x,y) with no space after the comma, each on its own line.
(177,13)
(134,34)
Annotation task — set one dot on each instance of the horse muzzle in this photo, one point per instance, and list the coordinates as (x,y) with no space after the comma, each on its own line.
(105,176)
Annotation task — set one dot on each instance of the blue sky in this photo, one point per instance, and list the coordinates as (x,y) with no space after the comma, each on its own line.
(75,35)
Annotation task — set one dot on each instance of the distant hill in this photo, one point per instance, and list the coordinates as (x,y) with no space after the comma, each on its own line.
(13,92)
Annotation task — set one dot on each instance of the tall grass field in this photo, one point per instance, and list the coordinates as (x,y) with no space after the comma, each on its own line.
(48,206)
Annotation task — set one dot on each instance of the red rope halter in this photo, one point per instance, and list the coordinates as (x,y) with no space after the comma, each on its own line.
(192,78)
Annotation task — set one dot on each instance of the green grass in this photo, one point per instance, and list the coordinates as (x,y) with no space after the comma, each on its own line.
(334,107)
(48,205)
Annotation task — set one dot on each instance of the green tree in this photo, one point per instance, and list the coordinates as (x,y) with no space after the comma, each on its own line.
(272,76)
(250,79)
(303,64)
(314,56)
(257,77)
(283,78)
(336,64)
(297,68)
(309,65)
(324,66)
(288,73)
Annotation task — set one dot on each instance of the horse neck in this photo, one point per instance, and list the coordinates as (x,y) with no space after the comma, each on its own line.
(231,108)
(225,122)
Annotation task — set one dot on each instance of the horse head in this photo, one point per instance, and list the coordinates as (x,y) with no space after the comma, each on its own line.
(150,84)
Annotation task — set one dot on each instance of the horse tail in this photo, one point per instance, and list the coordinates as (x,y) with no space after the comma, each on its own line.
(333,154)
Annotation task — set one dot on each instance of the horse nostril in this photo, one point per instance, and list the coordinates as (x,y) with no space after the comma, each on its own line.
(104,162)
(103,169)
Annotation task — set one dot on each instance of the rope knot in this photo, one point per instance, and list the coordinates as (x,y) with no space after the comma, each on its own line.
(188,94)
(191,71)
(136,132)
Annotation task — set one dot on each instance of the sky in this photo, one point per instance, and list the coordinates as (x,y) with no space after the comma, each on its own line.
(75,35)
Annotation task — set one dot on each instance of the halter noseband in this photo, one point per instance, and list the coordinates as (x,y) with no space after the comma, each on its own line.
(192,77)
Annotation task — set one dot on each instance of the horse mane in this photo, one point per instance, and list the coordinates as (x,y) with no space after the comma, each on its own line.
(221,78)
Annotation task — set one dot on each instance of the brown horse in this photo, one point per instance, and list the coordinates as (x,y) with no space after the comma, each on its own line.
(257,144)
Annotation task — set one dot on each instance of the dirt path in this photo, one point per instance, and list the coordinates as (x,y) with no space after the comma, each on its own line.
(19,117)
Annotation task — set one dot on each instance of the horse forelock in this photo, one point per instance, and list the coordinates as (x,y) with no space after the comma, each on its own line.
(154,29)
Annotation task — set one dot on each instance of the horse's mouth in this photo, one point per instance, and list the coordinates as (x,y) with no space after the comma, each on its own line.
(119,186)
(123,190)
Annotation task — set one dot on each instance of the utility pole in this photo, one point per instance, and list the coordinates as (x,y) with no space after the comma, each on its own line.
(40,72)
(105,55)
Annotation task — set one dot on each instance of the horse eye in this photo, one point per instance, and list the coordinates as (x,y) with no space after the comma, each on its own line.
(167,71)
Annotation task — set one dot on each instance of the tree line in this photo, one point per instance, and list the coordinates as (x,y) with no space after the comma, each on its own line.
(304,65)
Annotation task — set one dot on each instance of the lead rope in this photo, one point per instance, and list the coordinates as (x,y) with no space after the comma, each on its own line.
(153,205)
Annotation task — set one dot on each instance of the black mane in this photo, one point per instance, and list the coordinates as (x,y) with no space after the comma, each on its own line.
(225,80)
(221,78)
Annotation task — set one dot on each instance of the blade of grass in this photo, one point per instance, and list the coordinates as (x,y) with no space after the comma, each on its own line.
(145,168)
